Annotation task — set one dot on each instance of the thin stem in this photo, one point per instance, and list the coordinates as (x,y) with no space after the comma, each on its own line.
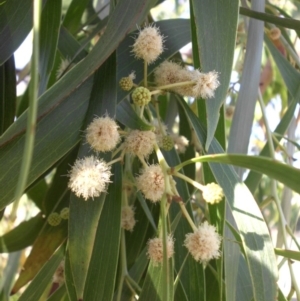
(133,283)
(145,74)
(174,85)
(189,180)
(114,161)
(187,215)
(180,271)
(33,96)
(124,271)
(166,292)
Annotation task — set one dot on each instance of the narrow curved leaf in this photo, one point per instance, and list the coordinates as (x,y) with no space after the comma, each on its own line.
(284,22)
(82,235)
(43,248)
(216,49)
(290,75)
(15,24)
(21,236)
(50,23)
(8,93)
(104,261)
(38,285)
(244,110)
(284,173)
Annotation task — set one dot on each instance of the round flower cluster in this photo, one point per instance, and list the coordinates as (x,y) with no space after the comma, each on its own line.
(141,96)
(201,84)
(155,249)
(204,243)
(148,45)
(212,193)
(102,134)
(54,219)
(127,218)
(88,177)
(126,83)
(151,183)
(140,143)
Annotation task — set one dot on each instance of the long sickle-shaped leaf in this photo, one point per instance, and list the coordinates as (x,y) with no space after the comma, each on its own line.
(243,117)
(284,173)
(216,23)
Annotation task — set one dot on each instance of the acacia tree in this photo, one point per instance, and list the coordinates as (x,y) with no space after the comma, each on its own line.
(122,146)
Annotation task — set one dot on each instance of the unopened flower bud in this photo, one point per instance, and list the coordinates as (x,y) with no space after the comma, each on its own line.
(54,219)
(167,143)
(141,96)
(64,213)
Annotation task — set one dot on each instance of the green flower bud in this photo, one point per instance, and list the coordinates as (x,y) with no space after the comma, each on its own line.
(126,83)
(167,143)
(64,213)
(141,96)
(54,219)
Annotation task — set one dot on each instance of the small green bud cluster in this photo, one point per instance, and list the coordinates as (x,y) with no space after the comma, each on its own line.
(141,96)
(167,143)
(54,218)
(126,83)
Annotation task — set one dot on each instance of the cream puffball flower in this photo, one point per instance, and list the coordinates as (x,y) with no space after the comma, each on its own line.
(89,177)
(102,134)
(140,143)
(206,85)
(149,44)
(204,243)
(151,183)
(127,218)
(212,193)
(202,84)
(155,249)
(180,143)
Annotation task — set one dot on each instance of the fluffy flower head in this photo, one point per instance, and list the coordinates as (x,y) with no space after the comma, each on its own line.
(149,44)
(127,218)
(180,143)
(204,243)
(88,177)
(151,182)
(212,193)
(202,84)
(102,134)
(155,249)
(140,143)
(206,85)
